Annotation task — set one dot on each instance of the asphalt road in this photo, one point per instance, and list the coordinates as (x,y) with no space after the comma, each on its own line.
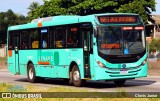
(148,84)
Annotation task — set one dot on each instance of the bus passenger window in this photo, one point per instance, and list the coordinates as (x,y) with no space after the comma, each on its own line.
(34,39)
(44,44)
(69,40)
(52,38)
(10,47)
(44,35)
(35,44)
(23,45)
(24,39)
(10,41)
(73,37)
(60,37)
(59,44)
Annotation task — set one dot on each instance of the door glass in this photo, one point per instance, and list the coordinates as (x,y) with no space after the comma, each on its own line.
(86,40)
(16,42)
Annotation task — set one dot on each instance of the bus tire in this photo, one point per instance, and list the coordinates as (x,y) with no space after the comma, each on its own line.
(31,75)
(70,80)
(76,78)
(119,83)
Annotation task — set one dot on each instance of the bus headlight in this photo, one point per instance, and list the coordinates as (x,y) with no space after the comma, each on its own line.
(100,64)
(144,62)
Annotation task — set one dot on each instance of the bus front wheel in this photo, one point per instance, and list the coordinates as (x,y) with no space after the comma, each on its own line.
(31,75)
(119,83)
(76,78)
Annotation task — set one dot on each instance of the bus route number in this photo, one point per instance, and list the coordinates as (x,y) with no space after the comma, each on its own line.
(110,46)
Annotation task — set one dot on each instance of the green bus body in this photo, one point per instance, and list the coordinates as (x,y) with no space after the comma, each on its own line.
(54,62)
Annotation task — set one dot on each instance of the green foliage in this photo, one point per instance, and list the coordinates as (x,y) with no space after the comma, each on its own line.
(141,7)
(7,19)
(158,44)
(32,7)
(85,7)
(154,45)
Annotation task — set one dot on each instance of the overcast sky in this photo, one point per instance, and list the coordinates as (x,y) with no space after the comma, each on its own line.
(20,6)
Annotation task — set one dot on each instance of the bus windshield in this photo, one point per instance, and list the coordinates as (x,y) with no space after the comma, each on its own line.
(118,41)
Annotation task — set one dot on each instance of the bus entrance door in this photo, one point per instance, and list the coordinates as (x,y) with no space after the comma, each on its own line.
(16,48)
(87,48)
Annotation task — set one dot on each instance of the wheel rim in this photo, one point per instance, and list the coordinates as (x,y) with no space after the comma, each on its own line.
(31,73)
(76,76)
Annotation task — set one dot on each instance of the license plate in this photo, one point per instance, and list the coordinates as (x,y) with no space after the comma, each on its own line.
(124,72)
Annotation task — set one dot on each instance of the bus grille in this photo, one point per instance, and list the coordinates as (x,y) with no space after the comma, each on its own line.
(117,73)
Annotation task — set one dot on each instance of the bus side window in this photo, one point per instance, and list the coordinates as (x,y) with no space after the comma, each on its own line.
(73,37)
(10,41)
(34,39)
(60,37)
(44,38)
(59,44)
(35,44)
(24,39)
(23,45)
(52,37)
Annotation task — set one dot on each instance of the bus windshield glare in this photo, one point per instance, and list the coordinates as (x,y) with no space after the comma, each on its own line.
(121,40)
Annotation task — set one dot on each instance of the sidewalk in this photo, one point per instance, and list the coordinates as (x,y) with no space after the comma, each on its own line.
(3,65)
(153,72)
(4,70)
(154,68)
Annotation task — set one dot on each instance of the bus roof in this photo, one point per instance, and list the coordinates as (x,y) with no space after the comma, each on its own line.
(62,20)
(114,14)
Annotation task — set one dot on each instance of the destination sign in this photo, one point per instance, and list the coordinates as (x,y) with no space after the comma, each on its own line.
(118,19)
(110,46)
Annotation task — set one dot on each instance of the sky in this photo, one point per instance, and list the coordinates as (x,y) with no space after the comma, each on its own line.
(17,6)
(157,8)
(21,6)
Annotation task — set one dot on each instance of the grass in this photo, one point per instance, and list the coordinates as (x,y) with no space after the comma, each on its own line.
(4,87)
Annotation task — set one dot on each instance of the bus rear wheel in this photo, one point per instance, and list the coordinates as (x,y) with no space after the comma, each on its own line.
(31,75)
(76,78)
(119,83)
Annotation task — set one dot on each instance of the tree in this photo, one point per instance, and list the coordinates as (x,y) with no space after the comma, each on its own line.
(7,19)
(154,45)
(85,7)
(141,7)
(32,7)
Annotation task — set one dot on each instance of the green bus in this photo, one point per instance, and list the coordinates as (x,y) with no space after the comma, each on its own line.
(109,46)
